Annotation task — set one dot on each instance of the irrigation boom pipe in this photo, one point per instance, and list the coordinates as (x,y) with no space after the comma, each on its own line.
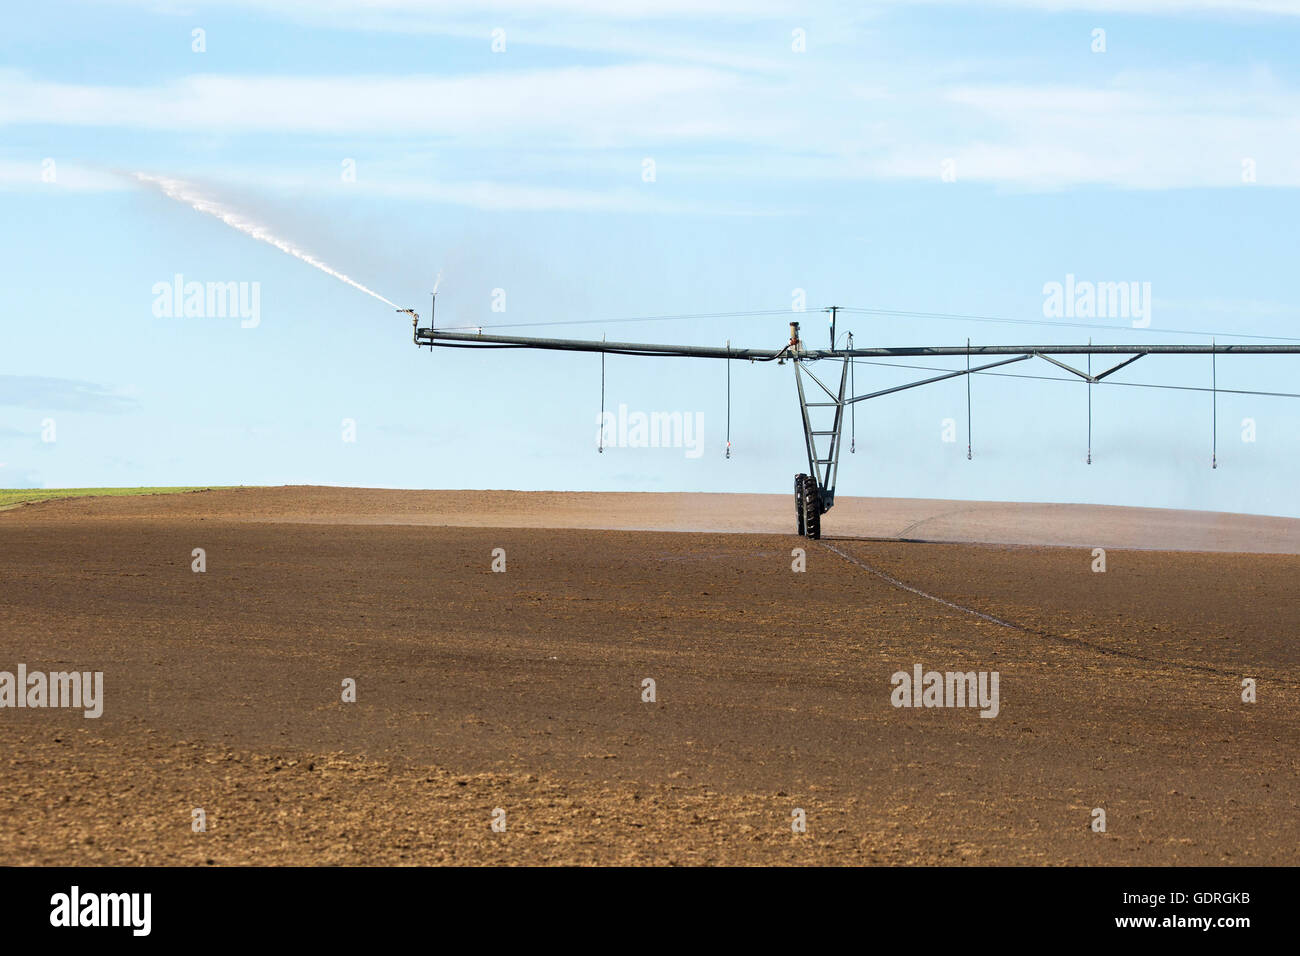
(433,337)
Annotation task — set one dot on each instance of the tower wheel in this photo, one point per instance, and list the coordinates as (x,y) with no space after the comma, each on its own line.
(799,481)
(812,509)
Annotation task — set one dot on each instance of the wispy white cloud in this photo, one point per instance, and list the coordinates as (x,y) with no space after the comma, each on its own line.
(521,196)
(435,10)
(493,195)
(67,176)
(389,182)
(63,394)
(595,105)
(437,14)
(1154,130)
(711,32)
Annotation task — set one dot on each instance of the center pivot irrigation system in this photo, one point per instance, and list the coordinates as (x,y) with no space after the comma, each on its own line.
(814,491)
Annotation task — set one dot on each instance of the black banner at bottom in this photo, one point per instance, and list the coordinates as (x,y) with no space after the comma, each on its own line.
(947,907)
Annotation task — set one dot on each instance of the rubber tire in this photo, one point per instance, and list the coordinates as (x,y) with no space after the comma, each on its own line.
(812,510)
(799,503)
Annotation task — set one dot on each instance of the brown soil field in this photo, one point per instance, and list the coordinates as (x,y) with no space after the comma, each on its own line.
(522,691)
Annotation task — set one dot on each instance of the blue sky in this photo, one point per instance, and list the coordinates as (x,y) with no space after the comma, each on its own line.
(924,157)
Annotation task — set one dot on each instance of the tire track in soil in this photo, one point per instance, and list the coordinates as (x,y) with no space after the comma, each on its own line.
(1037,632)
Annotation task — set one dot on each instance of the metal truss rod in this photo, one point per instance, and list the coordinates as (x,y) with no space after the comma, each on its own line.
(809,444)
(825,388)
(1111,371)
(937,378)
(1088,376)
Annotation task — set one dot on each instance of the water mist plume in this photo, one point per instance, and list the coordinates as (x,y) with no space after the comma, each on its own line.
(185,192)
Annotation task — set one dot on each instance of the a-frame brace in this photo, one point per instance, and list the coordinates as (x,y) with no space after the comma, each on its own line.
(815,491)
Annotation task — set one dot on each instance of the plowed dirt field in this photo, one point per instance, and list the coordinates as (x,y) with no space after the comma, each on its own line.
(523,691)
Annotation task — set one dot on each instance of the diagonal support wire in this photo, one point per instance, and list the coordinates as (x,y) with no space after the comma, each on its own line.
(937,378)
(853,409)
(600,436)
(823,385)
(968,419)
(728,455)
(1088,376)
(1112,371)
